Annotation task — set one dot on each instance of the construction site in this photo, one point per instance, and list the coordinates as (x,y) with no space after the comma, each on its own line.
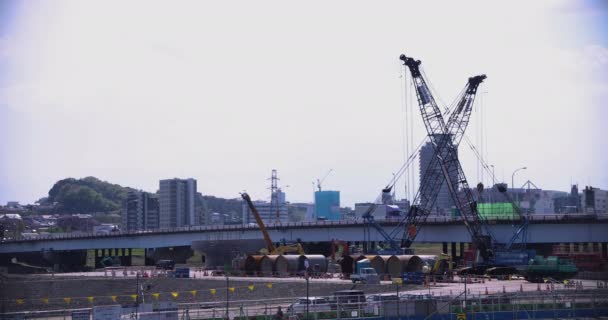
(385,278)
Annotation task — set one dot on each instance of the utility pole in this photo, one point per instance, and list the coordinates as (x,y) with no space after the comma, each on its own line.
(306,265)
(465,293)
(227,295)
(137,295)
(274,196)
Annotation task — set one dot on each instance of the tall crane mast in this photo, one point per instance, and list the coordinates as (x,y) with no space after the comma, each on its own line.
(433,178)
(448,160)
(320,181)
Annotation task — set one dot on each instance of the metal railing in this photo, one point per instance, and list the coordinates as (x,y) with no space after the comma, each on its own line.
(535,218)
(554,304)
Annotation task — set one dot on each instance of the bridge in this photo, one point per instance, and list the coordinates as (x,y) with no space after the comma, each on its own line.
(228,240)
(542,229)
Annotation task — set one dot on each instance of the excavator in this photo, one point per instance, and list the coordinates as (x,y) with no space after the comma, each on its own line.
(270,247)
(440,266)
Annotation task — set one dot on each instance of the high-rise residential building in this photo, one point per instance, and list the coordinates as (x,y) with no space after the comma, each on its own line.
(444,201)
(140,211)
(177,203)
(327,205)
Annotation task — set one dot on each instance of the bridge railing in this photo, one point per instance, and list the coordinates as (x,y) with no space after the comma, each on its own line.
(534,218)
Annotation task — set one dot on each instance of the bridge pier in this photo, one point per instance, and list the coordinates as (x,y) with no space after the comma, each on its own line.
(575,247)
(444,247)
(595,247)
(461,256)
(453,251)
(585,246)
(604,250)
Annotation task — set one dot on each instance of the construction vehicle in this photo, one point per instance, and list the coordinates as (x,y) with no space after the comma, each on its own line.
(339,248)
(433,178)
(284,249)
(557,268)
(490,255)
(447,158)
(440,267)
(270,247)
(365,273)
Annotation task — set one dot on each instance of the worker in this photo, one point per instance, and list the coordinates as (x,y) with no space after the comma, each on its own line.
(279,315)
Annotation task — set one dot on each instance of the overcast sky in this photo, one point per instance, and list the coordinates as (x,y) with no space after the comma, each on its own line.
(136,91)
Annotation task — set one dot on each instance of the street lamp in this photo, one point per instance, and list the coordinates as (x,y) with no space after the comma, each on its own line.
(513,176)
(513,183)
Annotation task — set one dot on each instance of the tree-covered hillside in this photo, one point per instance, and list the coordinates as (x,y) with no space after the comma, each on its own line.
(86,195)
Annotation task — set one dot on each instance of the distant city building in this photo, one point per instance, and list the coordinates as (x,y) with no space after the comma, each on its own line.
(267,212)
(141,211)
(347,213)
(327,205)
(530,200)
(381,211)
(13,205)
(568,203)
(76,222)
(594,200)
(403,205)
(177,203)
(11,224)
(299,212)
(219,218)
(444,201)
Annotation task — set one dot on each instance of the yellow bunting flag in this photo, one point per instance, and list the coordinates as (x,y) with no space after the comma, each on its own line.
(175,294)
(231,289)
(90,299)
(269,285)
(193,293)
(20,301)
(213,291)
(67,300)
(45,300)
(250,287)
(114,298)
(134,297)
(156,295)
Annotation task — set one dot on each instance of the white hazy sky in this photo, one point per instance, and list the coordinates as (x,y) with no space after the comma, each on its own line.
(136,91)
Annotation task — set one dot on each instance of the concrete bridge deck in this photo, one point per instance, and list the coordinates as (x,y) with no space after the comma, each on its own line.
(542,229)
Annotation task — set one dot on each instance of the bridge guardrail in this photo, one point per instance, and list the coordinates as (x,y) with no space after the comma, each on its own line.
(351,222)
